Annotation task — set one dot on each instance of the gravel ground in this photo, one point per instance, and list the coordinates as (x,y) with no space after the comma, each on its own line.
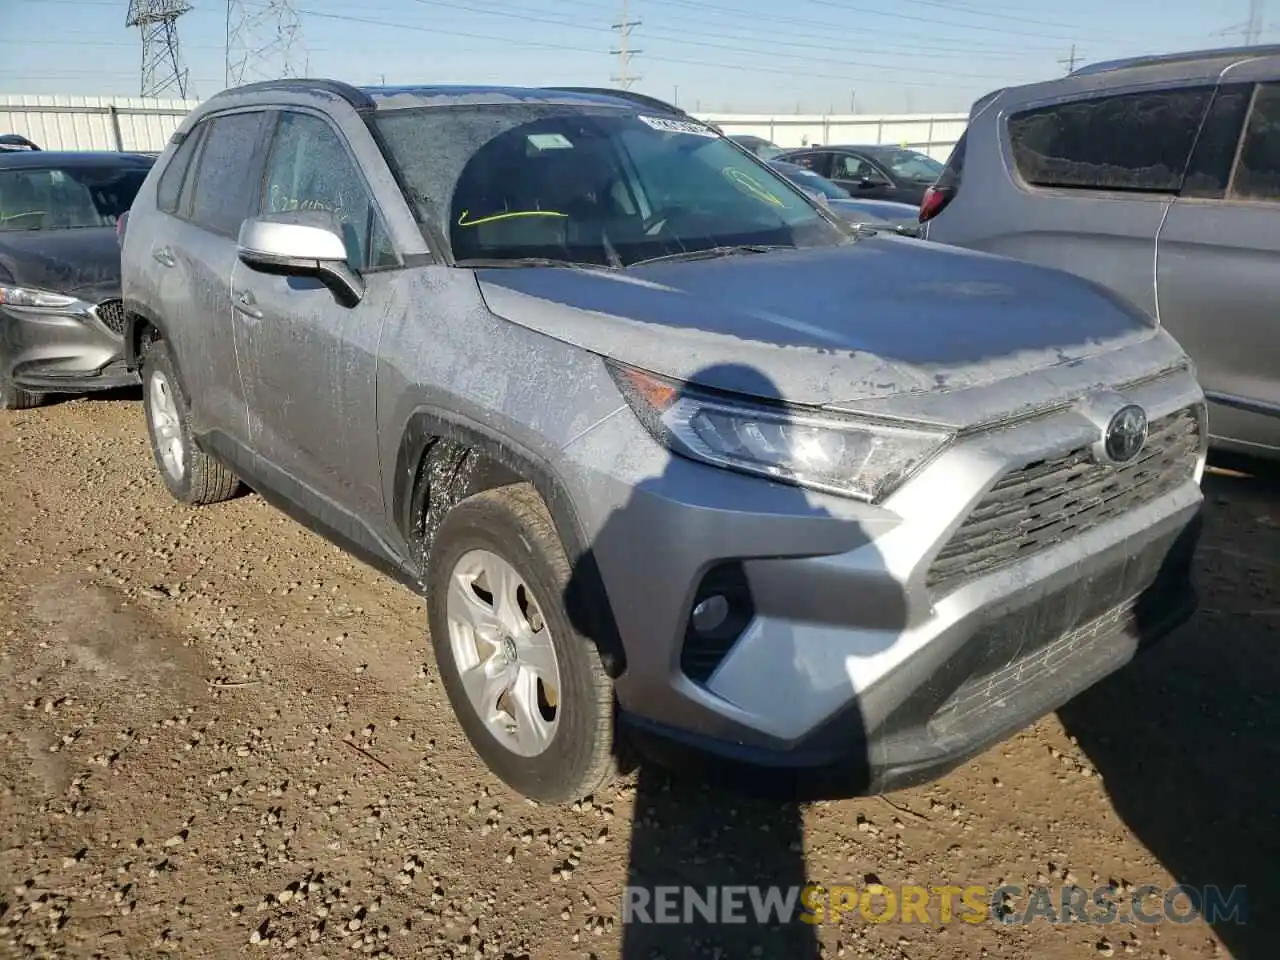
(220,736)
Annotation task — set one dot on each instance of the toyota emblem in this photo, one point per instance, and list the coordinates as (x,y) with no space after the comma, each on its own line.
(1126,434)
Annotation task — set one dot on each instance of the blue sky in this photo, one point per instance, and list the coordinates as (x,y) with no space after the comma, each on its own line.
(883,56)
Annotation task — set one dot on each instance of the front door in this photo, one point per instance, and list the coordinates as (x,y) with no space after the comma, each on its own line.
(862,178)
(310,363)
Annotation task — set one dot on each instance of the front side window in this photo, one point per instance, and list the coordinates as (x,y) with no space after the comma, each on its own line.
(590,185)
(1257,173)
(310,169)
(67,197)
(851,167)
(1133,142)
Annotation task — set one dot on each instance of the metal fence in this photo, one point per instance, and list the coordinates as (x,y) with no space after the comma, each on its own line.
(934,134)
(132,123)
(92,123)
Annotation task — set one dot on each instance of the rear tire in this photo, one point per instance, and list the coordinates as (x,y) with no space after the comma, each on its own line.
(570,753)
(189,474)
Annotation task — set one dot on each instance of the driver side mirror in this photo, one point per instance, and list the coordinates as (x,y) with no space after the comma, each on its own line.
(301,243)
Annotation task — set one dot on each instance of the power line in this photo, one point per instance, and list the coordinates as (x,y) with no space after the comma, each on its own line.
(624,53)
(162,72)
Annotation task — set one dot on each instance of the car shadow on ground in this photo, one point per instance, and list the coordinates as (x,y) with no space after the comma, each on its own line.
(708,828)
(1187,737)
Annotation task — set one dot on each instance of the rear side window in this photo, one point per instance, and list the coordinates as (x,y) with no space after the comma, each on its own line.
(170,187)
(226,172)
(1133,142)
(1257,175)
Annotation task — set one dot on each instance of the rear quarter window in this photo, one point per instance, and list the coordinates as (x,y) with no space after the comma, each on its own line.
(1132,142)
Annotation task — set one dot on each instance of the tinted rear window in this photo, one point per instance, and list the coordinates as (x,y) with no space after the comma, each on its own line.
(1135,142)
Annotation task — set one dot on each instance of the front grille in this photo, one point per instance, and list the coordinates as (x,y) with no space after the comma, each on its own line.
(1049,501)
(111,313)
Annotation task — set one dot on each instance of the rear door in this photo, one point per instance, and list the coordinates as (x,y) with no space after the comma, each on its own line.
(310,363)
(1080,183)
(1218,261)
(195,252)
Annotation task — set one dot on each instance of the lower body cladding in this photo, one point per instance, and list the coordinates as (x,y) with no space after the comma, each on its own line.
(1012,573)
(44,351)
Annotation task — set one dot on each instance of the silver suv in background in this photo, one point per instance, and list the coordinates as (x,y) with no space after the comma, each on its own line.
(673,453)
(1159,178)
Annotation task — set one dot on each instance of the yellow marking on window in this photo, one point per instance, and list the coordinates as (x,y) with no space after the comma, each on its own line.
(464,222)
(743,180)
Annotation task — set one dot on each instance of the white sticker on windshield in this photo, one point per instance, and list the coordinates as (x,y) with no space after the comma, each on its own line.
(56,176)
(550,141)
(668,125)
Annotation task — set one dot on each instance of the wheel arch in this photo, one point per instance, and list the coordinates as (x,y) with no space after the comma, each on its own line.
(442,459)
(142,326)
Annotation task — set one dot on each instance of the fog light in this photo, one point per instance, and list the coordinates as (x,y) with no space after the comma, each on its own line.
(710,613)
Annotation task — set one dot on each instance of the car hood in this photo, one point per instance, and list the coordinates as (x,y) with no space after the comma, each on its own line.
(84,262)
(874,319)
(887,210)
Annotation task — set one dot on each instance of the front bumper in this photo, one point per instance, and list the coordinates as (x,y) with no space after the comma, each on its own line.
(858,668)
(63,352)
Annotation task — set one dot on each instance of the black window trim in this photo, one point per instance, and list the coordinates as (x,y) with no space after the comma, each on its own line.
(269,152)
(1010,111)
(187,196)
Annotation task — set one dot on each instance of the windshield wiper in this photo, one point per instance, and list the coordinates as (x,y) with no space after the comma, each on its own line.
(484,262)
(712,252)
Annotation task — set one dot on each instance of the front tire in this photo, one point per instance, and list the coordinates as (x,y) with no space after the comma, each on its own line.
(13,397)
(529,691)
(190,475)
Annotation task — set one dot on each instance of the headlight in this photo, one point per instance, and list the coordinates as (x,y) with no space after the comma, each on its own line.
(30,297)
(837,454)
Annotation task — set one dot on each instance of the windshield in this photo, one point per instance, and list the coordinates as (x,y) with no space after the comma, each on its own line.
(66,198)
(910,165)
(589,185)
(808,180)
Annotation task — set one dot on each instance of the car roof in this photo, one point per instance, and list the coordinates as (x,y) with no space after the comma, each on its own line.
(1213,60)
(428,95)
(41,159)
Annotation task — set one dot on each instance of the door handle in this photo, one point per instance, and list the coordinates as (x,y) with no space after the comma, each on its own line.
(164,256)
(245,302)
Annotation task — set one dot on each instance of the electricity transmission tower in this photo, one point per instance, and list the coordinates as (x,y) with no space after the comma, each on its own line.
(262,41)
(1253,31)
(624,53)
(1070,61)
(157,21)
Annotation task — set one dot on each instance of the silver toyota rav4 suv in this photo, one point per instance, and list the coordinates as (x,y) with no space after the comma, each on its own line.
(676,458)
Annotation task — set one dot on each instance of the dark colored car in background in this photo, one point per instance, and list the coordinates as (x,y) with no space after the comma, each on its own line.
(762,148)
(899,217)
(875,172)
(15,141)
(61,317)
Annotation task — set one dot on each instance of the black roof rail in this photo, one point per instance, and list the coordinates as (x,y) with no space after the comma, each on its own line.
(353,95)
(1188,56)
(643,99)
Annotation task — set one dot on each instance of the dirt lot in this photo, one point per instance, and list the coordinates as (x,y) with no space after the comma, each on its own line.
(217,731)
